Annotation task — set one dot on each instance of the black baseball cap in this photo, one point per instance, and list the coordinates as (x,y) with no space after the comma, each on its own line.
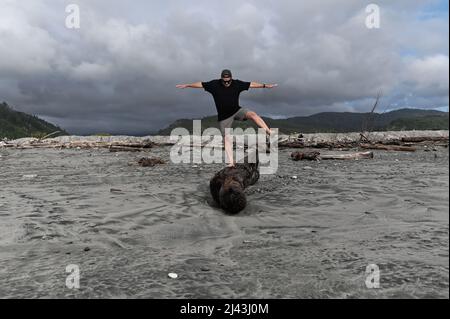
(226,74)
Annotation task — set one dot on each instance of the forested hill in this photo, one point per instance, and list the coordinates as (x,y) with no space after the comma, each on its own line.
(14,124)
(339,122)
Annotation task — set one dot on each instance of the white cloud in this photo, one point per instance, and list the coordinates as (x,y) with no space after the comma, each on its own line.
(428,73)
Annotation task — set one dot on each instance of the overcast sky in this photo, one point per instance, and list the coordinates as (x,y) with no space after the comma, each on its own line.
(118,72)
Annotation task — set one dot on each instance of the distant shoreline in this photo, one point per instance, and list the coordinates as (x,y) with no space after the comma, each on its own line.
(159,140)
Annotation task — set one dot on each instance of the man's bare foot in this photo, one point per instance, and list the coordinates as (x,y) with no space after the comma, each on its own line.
(230,164)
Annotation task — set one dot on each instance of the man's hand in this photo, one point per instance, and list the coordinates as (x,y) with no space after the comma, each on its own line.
(256,85)
(182,86)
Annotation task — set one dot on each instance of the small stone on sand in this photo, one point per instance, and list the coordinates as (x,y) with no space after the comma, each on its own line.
(29,176)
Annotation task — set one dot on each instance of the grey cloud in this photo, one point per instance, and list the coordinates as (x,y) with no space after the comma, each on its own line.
(118,72)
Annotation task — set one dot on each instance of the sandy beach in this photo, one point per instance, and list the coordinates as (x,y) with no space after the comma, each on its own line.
(127,227)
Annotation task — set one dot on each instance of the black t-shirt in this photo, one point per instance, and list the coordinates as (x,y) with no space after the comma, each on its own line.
(226,98)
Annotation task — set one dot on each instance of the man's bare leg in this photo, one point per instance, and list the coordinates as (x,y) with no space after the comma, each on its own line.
(228,143)
(259,121)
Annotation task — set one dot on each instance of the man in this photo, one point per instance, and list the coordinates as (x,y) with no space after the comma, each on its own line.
(225,92)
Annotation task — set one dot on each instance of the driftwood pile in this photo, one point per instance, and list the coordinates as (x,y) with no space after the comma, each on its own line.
(341,141)
(408,144)
(403,144)
(114,146)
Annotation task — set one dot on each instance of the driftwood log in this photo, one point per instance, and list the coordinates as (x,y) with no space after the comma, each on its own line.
(315,156)
(146,162)
(291,144)
(349,156)
(228,185)
(131,147)
(388,147)
(419,139)
(112,146)
(310,156)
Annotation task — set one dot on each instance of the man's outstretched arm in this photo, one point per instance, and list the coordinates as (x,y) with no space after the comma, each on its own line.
(256,85)
(196,85)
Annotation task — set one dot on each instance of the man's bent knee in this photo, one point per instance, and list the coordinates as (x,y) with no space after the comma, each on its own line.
(250,115)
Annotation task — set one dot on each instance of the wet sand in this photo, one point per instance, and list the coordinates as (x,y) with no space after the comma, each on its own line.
(310,237)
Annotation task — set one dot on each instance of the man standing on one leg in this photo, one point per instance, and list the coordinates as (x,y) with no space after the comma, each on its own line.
(225,92)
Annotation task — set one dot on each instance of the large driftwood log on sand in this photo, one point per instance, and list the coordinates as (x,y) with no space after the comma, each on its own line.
(228,185)
(315,156)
